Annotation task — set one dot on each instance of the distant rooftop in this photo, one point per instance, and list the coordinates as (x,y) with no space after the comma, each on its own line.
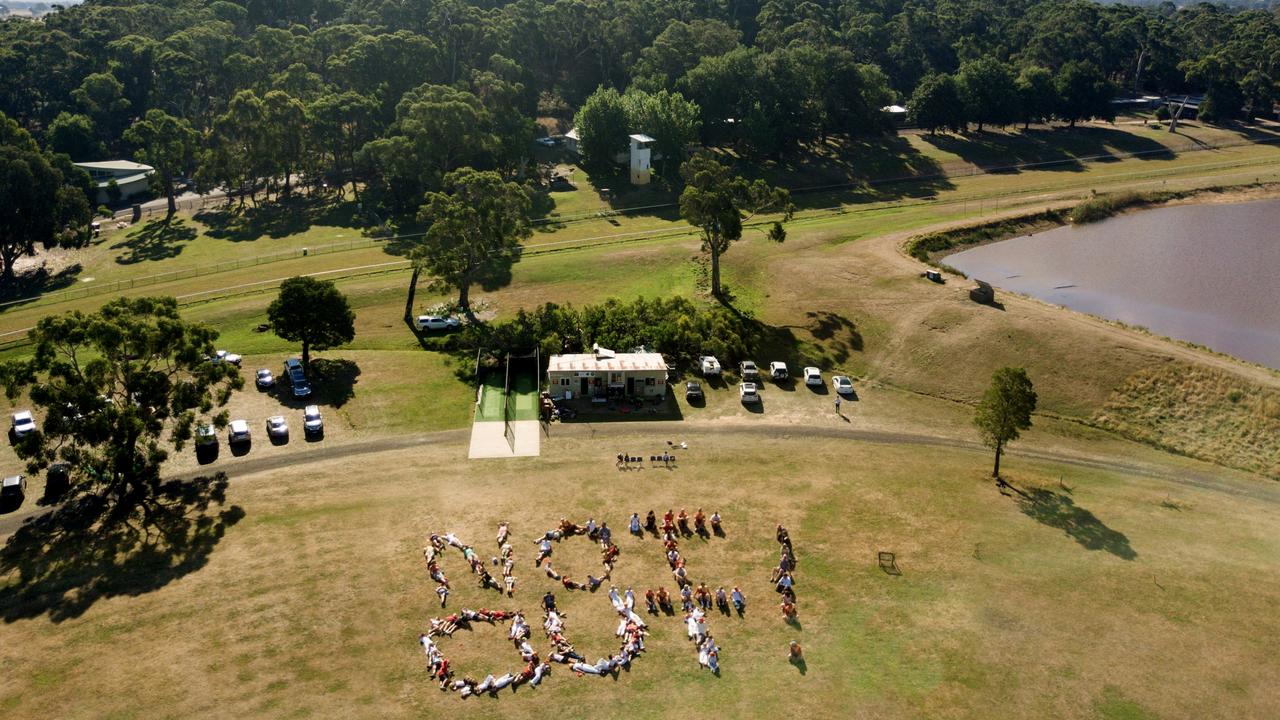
(116,166)
(641,138)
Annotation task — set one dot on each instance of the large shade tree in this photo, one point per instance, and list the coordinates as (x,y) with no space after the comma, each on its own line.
(166,143)
(38,203)
(476,226)
(312,312)
(115,387)
(718,202)
(1005,410)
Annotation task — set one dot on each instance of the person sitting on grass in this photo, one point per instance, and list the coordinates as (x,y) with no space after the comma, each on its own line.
(605,534)
(703,596)
(673,558)
(664,599)
(794,653)
(568,529)
(651,523)
(594,583)
(634,524)
(783,537)
(549,601)
(681,576)
(682,521)
(715,523)
(700,522)
(784,582)
(650,601)
(722,600)
(610,553)
(443,592)
(590,528)
(569,584)
(544,551)
(669,521)
(788,610)
(504,532)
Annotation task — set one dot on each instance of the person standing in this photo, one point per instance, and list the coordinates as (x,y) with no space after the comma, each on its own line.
(838,406)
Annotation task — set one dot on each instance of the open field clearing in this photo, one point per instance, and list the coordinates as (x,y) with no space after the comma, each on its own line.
(1095,594)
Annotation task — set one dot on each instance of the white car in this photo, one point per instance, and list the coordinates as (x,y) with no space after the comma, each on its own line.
(748,370)
(277,428)
(778,370)
(435,322)
(312,423)
(224,356)
(812,376)
(842,384)
(748,392)
(265,379)
(709,365)
(238,432)
(23,423)
(545,142)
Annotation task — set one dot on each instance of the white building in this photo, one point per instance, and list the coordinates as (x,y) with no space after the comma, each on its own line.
(605,373)
(641,149)
(130,177)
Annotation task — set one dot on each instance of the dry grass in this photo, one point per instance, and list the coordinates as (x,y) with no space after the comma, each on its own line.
(1087,595)
(1200,412)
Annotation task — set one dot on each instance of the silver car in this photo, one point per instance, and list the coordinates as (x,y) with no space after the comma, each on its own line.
(312,422)
(749,393)
(238,432)
(277,428)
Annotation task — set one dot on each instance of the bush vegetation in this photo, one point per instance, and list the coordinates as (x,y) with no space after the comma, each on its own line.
(924,247)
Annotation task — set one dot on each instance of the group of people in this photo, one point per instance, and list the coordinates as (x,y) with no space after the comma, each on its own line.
(436,545)
(438,666)
(782,578)
(673,523)
(601,534)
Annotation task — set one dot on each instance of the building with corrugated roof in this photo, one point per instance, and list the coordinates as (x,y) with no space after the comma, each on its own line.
(605,373)
(132,178)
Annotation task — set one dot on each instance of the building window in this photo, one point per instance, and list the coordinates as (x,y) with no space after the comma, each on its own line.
(649,381)
(564,381)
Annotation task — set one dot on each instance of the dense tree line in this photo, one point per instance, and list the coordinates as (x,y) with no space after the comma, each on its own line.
(388,97)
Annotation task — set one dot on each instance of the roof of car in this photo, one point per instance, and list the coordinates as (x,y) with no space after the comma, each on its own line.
(276,419)
(310,409)
(237,425)
(22,415)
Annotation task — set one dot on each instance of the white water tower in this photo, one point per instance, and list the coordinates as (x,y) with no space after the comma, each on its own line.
(640,151)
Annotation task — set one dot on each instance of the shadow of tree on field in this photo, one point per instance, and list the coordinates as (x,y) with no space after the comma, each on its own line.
(157,240)
(92,548)
(28,286)
(335,380)
(282,218)
(1058,510)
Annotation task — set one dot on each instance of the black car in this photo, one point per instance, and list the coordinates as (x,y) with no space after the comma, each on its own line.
(693,390)
(13,490)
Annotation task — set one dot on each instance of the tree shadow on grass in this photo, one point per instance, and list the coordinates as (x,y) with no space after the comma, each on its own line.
(333,383)
(30,285)
(156,240)
(1059,510)
(91,548)
(283,218)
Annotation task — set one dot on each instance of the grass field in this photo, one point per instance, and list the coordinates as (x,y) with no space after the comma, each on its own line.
(1096,595)
(1118,580)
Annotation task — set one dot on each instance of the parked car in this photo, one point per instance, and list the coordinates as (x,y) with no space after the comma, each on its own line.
(301,388)
(238,432)
(545,142)
(748,392)
(934,275)
(435,322)
(13,490)
(265,379)
(23,423)
(748,370)
(277,428)
(57,481)
(812,376)
(292,365)
(778,370)
(312,423)
(224,356)
(842,384)
(693,391)
(709,365)
(206,435)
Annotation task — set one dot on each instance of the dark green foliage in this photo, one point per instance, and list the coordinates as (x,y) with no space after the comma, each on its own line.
(1005,410)
(312,312)
(922,247)
(115,386)
(677,327)
(936,105)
